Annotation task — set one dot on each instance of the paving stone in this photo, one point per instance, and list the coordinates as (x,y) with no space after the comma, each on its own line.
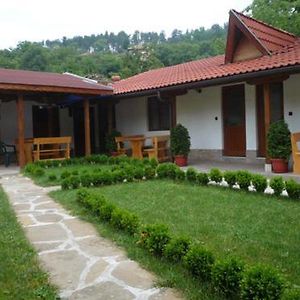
(47,246)
(166,294)
(48,218)
(50,205)
(41,233)
(80,228)
(22,206)
(64,268)
(137,277)
(96,270)
(25,220)
(103,291)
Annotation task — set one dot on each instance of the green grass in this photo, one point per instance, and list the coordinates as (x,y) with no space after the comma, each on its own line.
(45,180)
(20,273)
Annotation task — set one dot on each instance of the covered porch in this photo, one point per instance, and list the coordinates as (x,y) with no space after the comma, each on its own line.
(47,105)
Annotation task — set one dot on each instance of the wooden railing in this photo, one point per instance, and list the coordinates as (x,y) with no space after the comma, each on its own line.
(51,148)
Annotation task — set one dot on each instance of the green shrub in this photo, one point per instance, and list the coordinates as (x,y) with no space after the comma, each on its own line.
(29,168)
(180,175)
(202,178)
(180,140)
(259,182)
(118,175)
(155,238)
(215,175)
(277,184)
(227,276)
(243,178)
(86,180)
(138,172)
(38,172)
(191,174)
(199,262)
(230,177)
(74,182)
(150,172)
(106,211)
(261,282)
(52,177)
(177,248)
(65,174)
(166,170)
(66,184)
(94,202)
(291,294)
(75,172)
(82,194)
(293,189)
(124,220)
(110,142)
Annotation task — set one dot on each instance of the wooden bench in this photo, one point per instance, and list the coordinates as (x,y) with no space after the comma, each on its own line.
(160,150)
(295,139)
(120,141)
(51,148)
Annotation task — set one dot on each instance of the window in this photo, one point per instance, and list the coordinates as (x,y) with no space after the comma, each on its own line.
(159,114)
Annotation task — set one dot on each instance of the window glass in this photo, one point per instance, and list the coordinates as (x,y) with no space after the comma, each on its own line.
(159,114)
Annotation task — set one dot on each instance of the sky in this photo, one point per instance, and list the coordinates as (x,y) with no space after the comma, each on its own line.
(37,20)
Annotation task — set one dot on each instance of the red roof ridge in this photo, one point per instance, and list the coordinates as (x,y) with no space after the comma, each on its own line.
(265,24)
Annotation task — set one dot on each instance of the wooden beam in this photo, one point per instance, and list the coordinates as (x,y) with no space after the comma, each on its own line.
(21,130)
(87,130)
(269,79)
(267,117)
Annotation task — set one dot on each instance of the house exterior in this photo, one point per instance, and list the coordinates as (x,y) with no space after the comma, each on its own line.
(226,102)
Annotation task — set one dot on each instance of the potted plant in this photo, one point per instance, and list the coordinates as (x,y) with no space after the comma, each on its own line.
(180,144)
(279,146)
(110,143)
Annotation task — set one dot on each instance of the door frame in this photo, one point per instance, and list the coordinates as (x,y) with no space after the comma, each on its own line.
(226,152)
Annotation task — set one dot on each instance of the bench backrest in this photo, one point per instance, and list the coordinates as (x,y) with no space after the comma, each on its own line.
(52,140)
(160,145)
(295,139)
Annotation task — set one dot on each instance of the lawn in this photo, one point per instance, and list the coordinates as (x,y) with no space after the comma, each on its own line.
(20,273)
(256,228)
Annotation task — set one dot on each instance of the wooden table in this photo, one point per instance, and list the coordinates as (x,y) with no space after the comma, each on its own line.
(137,144)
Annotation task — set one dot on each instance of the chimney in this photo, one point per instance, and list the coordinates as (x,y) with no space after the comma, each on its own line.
(115,78)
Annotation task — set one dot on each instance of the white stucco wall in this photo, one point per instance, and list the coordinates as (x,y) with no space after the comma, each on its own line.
(251,122)
(291,90)
(197,111)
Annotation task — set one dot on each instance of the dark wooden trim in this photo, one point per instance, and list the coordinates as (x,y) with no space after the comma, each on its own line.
(52,89)
(270,79)
(21,130)
(87,129)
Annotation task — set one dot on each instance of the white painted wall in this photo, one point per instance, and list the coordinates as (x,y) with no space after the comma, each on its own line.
(291,90)
(251,125)
(197,111)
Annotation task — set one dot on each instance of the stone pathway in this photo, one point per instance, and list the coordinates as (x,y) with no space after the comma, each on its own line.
(81,263)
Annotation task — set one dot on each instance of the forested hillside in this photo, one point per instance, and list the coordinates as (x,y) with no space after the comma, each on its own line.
(107,54)
(101,56)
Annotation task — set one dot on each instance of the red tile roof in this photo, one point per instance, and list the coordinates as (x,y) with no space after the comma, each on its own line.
(52,80)
(285,49)
(272,38)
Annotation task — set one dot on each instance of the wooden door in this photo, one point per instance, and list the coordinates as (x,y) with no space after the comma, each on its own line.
(234,127)
(78,127)
(45,121)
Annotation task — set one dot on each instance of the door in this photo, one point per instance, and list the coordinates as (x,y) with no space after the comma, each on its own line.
(79,132)
(45,121)
(234,127)
(276,112)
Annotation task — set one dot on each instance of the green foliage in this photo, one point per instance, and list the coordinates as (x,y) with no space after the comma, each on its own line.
(52,177)
(191,174)
(110,142)
(243,178)
(155,238)
(106,211)
(292,294)
(124,220)
(277,184)
(177,248)
(180,175)
(202,178)
(215,175)
(292,188)
(259,182)
(180,140)
(199,262)
(282,14)
(227,276)
(38,172)
(261,282)
(279,140)
(166,170)
(65,174)
(230,177)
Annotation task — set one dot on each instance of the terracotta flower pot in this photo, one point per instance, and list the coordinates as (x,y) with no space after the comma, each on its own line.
(180,160)
(114,153)
(279,165)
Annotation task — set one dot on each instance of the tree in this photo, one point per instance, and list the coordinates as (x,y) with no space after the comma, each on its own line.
(284,14)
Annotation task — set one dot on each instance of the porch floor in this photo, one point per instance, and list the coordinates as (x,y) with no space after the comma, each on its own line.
(11,170)
(206,165)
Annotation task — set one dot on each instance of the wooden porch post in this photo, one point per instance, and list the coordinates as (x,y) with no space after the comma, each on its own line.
(21,130)
(87,130)
(267,117)
(110,118)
